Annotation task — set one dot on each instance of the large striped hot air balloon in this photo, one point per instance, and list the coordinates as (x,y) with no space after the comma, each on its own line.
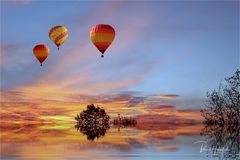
(58,34)
(41,52)
(102,35)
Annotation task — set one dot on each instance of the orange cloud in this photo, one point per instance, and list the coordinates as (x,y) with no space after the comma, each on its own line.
(46,101)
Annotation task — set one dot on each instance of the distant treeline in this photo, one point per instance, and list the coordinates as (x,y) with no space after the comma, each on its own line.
(124,121)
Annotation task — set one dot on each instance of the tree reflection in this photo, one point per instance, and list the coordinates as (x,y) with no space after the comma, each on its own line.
(93,122)
(222,119)
(223,141)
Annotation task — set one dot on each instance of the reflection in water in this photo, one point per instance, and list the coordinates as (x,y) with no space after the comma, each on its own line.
(223,141)
(122,122)
(60,141)
(92,130)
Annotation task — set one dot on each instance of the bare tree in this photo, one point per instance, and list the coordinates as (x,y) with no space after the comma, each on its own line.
(223,105)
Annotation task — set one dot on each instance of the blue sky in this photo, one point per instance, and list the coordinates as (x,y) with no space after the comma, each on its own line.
(184,48)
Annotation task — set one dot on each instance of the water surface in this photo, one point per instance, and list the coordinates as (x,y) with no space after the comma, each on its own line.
(63,141)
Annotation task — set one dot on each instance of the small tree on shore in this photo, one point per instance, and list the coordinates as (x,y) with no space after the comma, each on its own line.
(93,122)
(223,105)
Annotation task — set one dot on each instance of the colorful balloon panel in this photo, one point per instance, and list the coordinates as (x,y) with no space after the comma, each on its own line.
(102,35)
(58,35)
(41,52)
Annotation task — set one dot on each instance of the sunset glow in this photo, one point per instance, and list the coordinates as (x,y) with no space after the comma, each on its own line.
(160,60)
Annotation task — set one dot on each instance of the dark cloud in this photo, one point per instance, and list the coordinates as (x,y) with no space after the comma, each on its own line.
(135,143)
(134,101)
(188,110)
(193,103)
(162,106)
(123,96)
(164,119)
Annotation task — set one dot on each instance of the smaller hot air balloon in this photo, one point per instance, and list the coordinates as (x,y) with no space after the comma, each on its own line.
(58,34)
(41,52)
(102,35)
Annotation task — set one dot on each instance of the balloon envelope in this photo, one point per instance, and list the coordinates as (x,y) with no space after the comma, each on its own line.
(102,35)
(41,52)
(58,34)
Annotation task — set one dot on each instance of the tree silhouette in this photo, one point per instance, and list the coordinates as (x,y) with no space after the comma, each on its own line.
(93,122)
(223,105)
(222,119)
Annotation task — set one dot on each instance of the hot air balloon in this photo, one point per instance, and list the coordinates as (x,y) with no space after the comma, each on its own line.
(41,52)
(58,34)
(102,35)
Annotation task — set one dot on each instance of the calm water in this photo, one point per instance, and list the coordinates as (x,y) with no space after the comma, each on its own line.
(63,141)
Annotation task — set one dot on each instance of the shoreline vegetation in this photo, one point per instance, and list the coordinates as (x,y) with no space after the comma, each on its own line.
(222,118)
(223,105)
(124,121)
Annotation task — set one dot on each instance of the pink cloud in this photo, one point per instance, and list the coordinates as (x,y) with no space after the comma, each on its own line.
(167,96)
(80,68)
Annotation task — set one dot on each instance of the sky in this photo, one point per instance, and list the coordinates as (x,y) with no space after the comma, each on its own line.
(164,52)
